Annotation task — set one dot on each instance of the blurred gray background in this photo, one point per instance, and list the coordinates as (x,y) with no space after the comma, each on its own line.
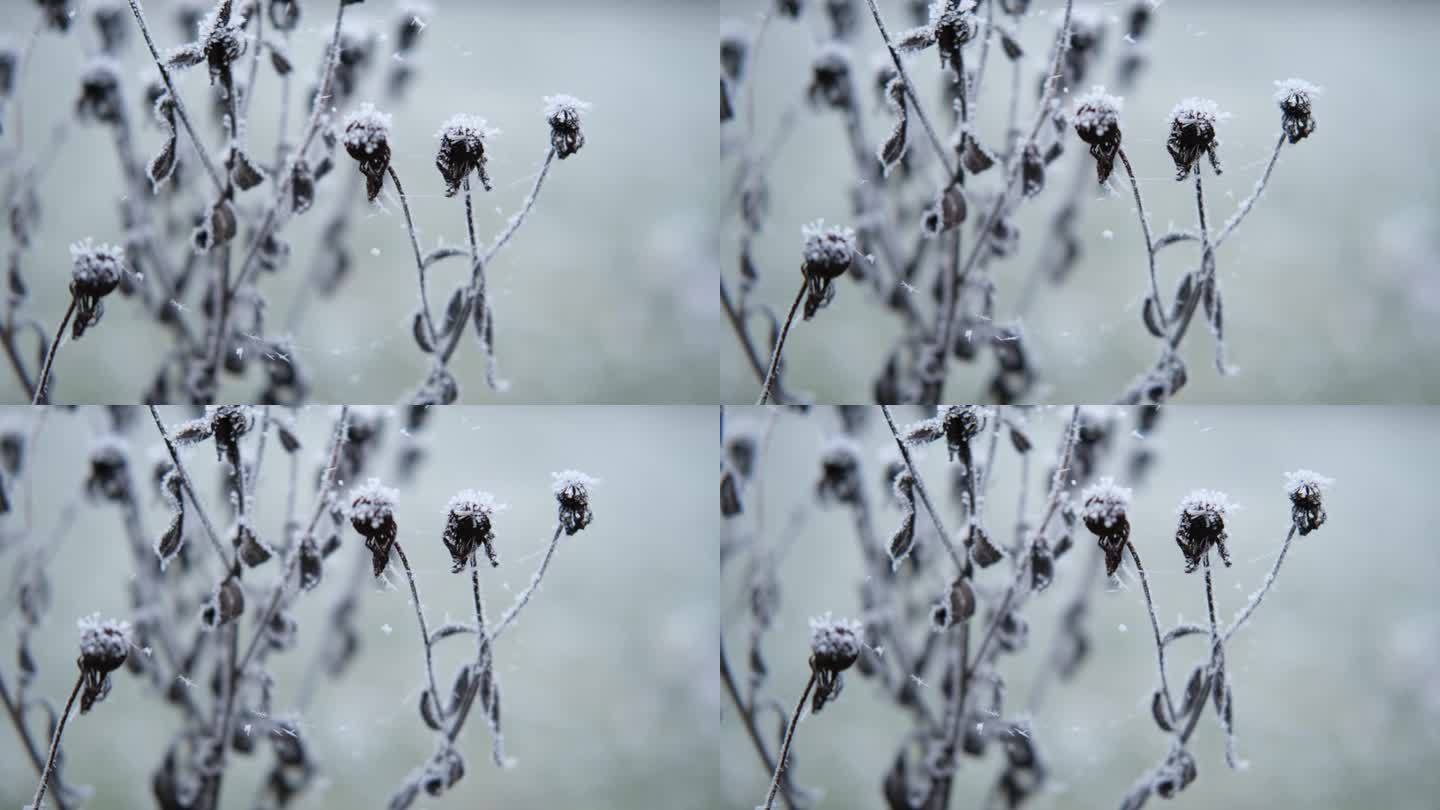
(610,695)
(602,296)
(1336,677)
(1332,285)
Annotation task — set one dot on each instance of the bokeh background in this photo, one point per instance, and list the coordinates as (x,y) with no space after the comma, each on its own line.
(1335,676)
(603,296)
(610,696)
(1332,285)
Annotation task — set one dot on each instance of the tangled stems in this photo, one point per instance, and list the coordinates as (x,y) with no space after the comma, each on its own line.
(40,394)
(1149,244)
(55,743)
(769,381)
(785,746)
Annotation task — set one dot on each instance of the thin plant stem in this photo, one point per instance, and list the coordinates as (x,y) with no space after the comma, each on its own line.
(1249,202)
(910,91)
(481,305)
(525,595)
(519,219)
(40,393)
(175,95)
(55,745)
(922,491)
(419,262)
(1154,625)
(747,718)
(1149,242)
(12,707)
(1255,598)
(785,746)
(780,346)
(190,490)
(420,616)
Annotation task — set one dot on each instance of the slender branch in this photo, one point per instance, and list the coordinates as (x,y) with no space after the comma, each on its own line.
(923,492)
(780,345)
(519,219)
(420,616)
(940,150)
(190,490)
(1249,202)
(419,261)
(55,745)
(1255,598)
(525,595)
(747,717)
(12,707)
(1149,243)
(209,164)
(785,746)
(1154,625)
(40,393)
(481,304)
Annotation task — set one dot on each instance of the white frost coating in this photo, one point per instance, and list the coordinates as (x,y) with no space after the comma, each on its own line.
(835,244)
(561,103)
(1306,479)
(463,126)
(366,128)
(372,502)
(839,638)
(106,638)
(1106,502)
(474,503)
(568,479)
(1203,501)
(1288,88)
(839,448)
(1096,107)
(1194,110)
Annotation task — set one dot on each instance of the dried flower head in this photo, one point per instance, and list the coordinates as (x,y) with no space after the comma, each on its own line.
(572,492)
(1295,97)
(834,647)
(1104,512)
(955,24)
(839,471)
(1097,122)
(367,139)
(109,477)
(1192,134)
(96,272)
(100,92)
(1305,489)
(830,81)
(372,513)
(563,113)
(104,646)
(962,423)
(462,151)
(468,527)
(1202,525)
(829,252)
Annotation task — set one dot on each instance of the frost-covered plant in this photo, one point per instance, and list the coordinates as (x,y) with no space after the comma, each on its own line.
(935,203)
(938,637)
(200,614)
(205,218)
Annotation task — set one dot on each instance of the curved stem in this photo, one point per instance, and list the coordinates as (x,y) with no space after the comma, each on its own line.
(481,304)
(55,745)
(424,631)
(1154,625)
(1249,202)
(747,717)
(190,490)
(910,91)
(12,707)
(785,746)
(519,219)
(40,394)
(1149,242)
(419,261)
(780,346)
(922,492)
(1245,612)
(525,595)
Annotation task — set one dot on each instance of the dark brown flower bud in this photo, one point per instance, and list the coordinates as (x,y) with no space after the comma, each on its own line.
(372,514)
(962,423)
(572,492)
(367,139)
(1202,525)
(1192,134)
(468,527)
(955,24)
(104,646)
(100,93)
(1295,97)
(829,252)
(839,471)
(830,81)
(834,643)
(109,477)
(563,113)
(96,272)
(1105,516)
(462,151)
(1097,122)
(1305,489)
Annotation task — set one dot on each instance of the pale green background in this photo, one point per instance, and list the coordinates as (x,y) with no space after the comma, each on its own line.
(1335,677)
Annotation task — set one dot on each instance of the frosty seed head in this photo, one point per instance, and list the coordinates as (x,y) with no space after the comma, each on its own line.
(1192,134)
(961,423)
(229,423)
(367,139)
(1305,489)
(1202,516)
(100,92)
(372,514)
(955,24)
(221,39)
(563,113)
(572,492)
(834,643)
(468,527)
(109,477)
(95,269)
(829,252)
(1295,97)
(1104,513)
(1097,122)
(830,84)
(462,151)
(104,645)
(839,471)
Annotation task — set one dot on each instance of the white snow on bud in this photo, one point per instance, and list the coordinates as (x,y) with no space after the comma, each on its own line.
(834,637)
(462,126)
(1306,479)
(372,502)
(474,503)
(834,243)
(1202,501)
(1288,88)
(1195,109)
(105,637)
(568,479)
(1105,502)
(366,128)
(1097,107)
(839,448)
(562,104)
